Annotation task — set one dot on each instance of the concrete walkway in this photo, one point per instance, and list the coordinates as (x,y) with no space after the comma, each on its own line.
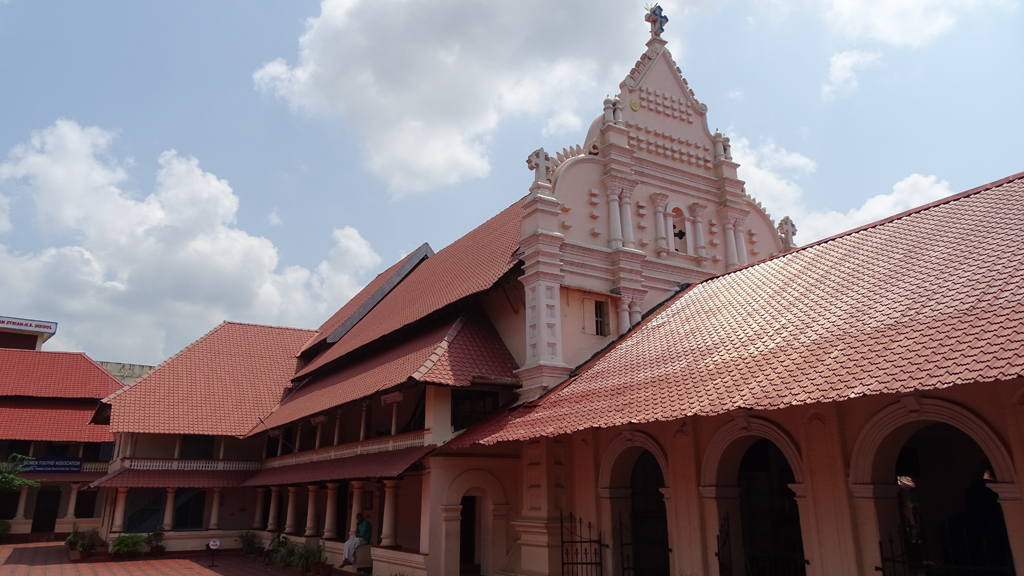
(49,559)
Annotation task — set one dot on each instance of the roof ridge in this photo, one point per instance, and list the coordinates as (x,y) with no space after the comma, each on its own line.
(266,326)
(440,350)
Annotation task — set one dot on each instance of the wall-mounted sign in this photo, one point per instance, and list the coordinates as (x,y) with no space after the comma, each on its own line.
(52,465)
(28,325)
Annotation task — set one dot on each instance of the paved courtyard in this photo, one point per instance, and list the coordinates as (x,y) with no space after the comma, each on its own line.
(49,559)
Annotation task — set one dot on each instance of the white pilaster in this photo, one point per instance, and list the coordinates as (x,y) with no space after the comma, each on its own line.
(72,500)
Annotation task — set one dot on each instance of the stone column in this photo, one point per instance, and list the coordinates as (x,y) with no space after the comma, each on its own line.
(337,428)
(177,447)
(289,517)
(280,441)
(697,212)
(298,437)
(319,436)
(730,244)
(72,500)
(357,503)
(362,421)
(168,523)
(614,221)
(626,207)
(389,527)
(275,508)
(331,519)
(634,311)
(312,522)
(662,233)
(215,511)
(118,524)
(623,310)
(257,516)
(741,247)
(394,418)
(22,501)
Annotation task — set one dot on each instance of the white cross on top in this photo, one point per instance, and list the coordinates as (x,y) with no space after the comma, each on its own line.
(788,230)
(541,164)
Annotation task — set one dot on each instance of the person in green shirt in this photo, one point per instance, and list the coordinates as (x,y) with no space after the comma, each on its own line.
(361,538)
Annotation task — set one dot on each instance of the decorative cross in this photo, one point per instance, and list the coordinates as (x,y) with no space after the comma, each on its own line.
(787,229)
(679,233)
(657,18)
(541,164)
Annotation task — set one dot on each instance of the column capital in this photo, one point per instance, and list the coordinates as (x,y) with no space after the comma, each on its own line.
(696,209)
(660,201)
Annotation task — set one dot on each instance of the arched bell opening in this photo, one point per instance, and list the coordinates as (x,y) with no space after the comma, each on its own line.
(945,518)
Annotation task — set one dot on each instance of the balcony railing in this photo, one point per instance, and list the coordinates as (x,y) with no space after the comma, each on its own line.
(203,465)
(386,444)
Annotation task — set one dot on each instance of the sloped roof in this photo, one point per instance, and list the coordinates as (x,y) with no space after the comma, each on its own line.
(53,375)
(52,419)
(449,352)
(352,305)
(471,264)
(927,299)
(379,465)
(220,384)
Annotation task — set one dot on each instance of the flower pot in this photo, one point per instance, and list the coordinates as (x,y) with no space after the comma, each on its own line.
(75,555)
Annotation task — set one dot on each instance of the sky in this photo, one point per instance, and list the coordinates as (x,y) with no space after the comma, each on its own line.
(168,166)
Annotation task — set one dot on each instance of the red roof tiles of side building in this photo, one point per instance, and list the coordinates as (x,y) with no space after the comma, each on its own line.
(52,419)
(221,384)
(450,353)
(131,478)
(379,465)
(919,301)
(471,264)
(53,375)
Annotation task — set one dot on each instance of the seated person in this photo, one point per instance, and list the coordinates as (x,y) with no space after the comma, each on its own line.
(362,537)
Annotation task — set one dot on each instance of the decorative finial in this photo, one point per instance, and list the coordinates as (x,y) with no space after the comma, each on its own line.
(787,230)
(540,162)
(657,18)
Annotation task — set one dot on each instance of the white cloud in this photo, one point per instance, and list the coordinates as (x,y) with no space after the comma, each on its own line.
(141,277)
(5,214)
(772,174)
(734,94)
(896,22)
(426,84)
(273,219)
(842,77)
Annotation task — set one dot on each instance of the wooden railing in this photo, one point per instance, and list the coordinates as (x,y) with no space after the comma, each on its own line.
(386,444)
(201,465)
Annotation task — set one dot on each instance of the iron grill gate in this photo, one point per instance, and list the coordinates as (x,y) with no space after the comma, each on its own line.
(964,555)
(581,550)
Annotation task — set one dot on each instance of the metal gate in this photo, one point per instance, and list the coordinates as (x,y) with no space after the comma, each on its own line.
(963,555)
(724,553)
(581,550)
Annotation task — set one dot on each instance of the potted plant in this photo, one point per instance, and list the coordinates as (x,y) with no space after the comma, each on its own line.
(155,541)
(284,552)
(127,545)
(250,541)
(86,543)
(307,554)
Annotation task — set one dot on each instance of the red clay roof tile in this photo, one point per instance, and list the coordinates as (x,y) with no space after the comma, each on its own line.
(916,301)
(380,465)
(53,375)
(130,478)
(471,264)
(221,384)
(55,420)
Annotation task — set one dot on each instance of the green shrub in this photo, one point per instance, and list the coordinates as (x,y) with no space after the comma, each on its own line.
(250,541)
(127,545)
(284,552)
(87,540)
(155,539)
(307,554)
(72,540)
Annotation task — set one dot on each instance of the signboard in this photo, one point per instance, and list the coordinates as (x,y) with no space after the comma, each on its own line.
(28,325)
(52,465)
(214,544)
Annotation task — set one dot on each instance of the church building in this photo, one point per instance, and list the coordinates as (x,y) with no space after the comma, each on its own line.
(632,370)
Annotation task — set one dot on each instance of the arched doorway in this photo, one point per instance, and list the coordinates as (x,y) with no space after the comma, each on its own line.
(947,519)
(474,515)
(644,531)
(769,517)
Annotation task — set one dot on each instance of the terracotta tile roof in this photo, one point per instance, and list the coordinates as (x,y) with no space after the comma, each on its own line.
(130,478)
(927,299)
(53,375)
(469,265)
(220,384)
(56,420)
(351,306)
(451,353)
(379,465)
